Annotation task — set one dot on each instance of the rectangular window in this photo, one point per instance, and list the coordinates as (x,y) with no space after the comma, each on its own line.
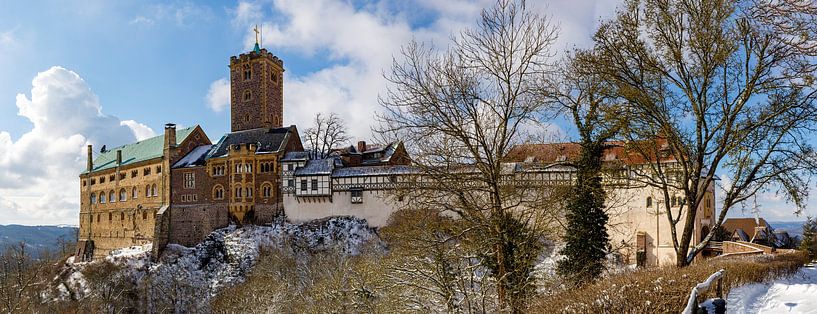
(158,169)
(314,184)
(134,173)
(189,180)
(357,196)
(303,184)
(291,183)
(146,171)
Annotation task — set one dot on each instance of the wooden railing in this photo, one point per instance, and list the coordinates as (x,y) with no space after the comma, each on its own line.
(692,303)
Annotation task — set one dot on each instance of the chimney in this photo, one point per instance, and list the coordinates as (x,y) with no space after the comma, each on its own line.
(90,164)
(170,135)
(361,146)
(118,157)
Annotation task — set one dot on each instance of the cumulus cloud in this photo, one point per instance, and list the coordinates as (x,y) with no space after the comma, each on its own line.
(359,42)
(140,131)
(218,97)
(39,171)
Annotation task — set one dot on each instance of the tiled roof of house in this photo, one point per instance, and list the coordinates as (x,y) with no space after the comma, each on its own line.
(267,140)
(140,151)
(746,224)
(619,151)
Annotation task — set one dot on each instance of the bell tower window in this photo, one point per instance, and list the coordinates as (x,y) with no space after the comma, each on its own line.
(247,74)
(247,95)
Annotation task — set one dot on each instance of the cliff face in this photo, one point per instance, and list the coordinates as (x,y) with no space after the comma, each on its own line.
(195,274)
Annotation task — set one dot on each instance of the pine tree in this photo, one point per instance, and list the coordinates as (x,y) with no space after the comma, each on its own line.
(809,242)
(586,238)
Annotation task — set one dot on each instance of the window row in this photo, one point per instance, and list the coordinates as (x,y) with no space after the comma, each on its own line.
(218,170)
(674,201)
(190,198)
(243,168)
(133,174)
(112,197)
(121,216)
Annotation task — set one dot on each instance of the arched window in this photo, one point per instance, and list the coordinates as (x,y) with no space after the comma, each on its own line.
(102,197)
(111,197)
(147,191)
(97,218)
(238,192)
(123,195)
(135,193)
(649,201)
(249,192)
(153,190)
(247,95)
(218,192)
(93,198)
(266,190)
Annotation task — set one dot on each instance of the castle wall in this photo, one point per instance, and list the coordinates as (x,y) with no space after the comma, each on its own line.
(118,224)
(629,214)
(376,207)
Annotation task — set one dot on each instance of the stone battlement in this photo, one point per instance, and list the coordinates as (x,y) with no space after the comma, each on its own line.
(244,57)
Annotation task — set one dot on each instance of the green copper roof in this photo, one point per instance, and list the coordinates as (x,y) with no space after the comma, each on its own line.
(140,151)
(257,48)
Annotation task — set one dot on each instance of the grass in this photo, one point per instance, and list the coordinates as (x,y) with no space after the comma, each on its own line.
(665,289)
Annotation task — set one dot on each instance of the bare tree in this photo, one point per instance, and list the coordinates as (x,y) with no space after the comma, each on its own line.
(328,132)
(465,108)
(20,279)
(715,87)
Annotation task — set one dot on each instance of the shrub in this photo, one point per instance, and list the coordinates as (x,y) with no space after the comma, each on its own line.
(665,289)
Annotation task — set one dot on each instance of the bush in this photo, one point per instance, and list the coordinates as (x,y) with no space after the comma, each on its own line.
(665,289)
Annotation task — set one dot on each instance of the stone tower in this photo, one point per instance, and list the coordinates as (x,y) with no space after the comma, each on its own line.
(256,90)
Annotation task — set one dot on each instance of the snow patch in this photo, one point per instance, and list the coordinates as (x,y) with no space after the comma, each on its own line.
(794,294)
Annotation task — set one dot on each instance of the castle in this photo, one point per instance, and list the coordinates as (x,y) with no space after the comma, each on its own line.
(179,186)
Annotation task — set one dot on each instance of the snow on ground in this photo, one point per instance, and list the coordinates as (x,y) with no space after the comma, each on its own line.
(795,294)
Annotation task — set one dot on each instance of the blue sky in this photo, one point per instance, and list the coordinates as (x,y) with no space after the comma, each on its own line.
(111,72)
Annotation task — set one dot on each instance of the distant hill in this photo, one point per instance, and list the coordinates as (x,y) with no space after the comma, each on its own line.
(792,227)
(37,238)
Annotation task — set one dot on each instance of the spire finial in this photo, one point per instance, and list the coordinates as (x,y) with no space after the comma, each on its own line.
(257,31)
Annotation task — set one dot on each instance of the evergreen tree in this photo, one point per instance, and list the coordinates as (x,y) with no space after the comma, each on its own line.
(586,236)
(809,243)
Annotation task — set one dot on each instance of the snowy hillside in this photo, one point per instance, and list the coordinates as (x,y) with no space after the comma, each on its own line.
(193,275)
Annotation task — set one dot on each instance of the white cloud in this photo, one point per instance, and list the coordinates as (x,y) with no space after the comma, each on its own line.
(218,97)
(39,171)
(360,42)
(140,131)
(247,13)
(141,20)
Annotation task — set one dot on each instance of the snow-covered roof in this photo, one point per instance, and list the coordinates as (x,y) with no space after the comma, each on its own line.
(194,158)
(373,171)
(266,140)
(296,156)
(317,167)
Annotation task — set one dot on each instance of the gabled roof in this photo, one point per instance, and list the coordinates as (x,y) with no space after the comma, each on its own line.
(746,224)
(194,158)
(140,151)
(267,140)
(624,152)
